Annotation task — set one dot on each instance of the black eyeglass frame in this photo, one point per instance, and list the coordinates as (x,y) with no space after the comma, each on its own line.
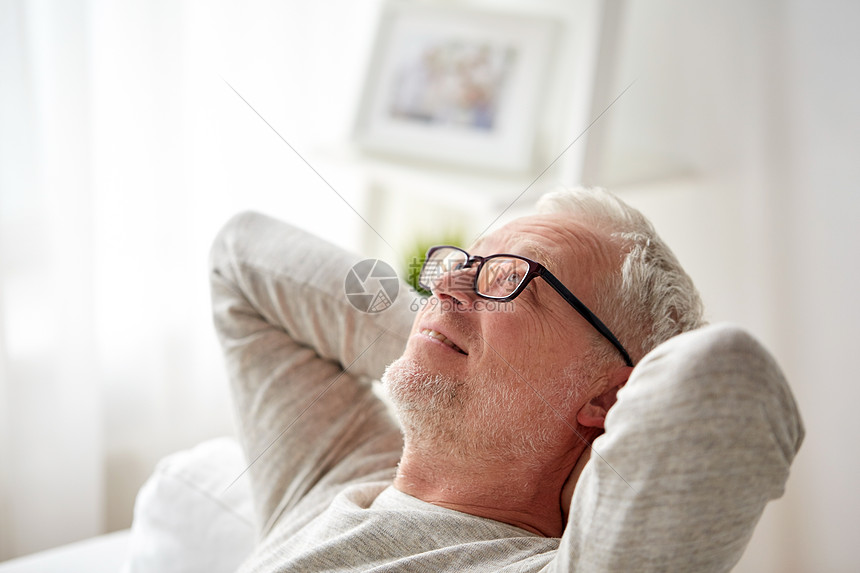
(535,270)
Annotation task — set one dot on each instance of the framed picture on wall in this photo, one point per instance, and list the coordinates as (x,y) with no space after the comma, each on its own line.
(456,86)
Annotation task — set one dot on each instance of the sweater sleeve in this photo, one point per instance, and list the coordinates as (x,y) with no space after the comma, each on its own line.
(701,438)
(299,357)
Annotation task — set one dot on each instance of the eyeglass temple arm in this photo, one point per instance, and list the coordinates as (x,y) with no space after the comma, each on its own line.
(586,314)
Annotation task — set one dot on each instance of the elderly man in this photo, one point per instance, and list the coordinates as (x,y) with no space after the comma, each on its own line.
(506,456)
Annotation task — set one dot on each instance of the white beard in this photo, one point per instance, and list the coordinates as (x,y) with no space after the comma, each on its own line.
(445,415)
(427,405)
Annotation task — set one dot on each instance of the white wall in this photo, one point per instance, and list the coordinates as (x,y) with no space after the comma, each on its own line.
(823,277)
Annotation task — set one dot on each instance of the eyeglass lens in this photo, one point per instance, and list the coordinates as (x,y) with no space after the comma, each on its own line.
(501,276)
(441,262)
(498,277)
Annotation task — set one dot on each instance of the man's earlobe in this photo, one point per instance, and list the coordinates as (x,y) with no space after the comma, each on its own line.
(593,413)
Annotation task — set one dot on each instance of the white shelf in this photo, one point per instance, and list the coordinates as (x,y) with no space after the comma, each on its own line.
(470,188)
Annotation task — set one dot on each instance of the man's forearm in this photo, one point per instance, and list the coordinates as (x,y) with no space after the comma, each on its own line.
(702,437)
(296,351)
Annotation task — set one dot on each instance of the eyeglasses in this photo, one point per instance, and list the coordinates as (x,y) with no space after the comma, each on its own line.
(502,278)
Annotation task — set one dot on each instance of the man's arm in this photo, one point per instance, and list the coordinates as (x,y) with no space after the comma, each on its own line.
(298,356)
(701,438)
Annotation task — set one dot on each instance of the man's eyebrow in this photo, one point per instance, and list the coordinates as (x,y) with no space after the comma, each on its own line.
(536,251)
(541,255)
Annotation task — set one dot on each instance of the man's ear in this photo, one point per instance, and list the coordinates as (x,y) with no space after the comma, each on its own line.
(593,413)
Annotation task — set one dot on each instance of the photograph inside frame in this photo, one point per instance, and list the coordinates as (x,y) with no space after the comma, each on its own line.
(457,86)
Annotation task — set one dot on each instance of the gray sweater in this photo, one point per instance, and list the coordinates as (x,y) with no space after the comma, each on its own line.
(701,438)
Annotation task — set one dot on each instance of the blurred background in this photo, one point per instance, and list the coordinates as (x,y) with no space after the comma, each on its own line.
(123,149)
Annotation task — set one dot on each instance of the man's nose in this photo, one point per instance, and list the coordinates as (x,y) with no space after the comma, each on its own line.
(457,287)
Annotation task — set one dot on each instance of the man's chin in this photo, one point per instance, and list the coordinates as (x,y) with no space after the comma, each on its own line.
(412,387)
(428,406)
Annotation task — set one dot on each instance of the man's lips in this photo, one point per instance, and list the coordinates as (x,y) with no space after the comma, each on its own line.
(441,338)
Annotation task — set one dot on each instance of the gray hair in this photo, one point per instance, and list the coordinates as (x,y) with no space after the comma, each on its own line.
(648,298)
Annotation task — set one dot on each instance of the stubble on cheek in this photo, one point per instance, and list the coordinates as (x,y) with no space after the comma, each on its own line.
(497,415)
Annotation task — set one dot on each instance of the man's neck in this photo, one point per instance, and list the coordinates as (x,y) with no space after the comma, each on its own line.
(526,495)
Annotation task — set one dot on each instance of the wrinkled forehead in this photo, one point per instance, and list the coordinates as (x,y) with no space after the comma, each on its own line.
(553,240)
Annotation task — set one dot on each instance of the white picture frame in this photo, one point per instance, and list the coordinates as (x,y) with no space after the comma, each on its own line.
(457,86)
